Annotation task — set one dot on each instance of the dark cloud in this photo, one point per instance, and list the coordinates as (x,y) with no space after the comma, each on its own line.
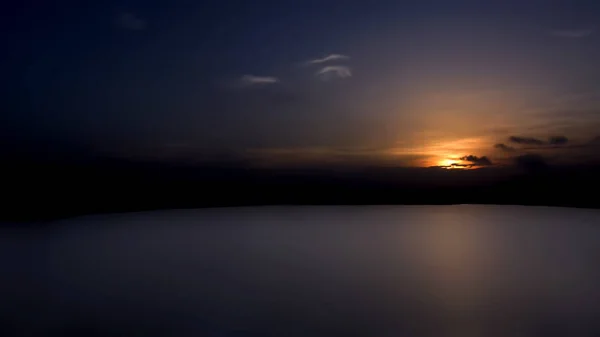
(535,143)
(526,140)
(504,147)
(531,162)
(558,140)
(478,161)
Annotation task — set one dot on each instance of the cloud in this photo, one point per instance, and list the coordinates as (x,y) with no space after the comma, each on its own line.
(328,58)
(526,140)
(558,140)
(330,72)
(477,161)
(554,141)
(504,147)
(258,80)
(130,21)
(573,33)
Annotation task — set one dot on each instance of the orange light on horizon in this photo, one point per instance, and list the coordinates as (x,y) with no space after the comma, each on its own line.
(448,163)
(446,152)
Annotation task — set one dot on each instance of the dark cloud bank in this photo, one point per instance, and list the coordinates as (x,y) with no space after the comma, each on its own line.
(554,140)
(531,143)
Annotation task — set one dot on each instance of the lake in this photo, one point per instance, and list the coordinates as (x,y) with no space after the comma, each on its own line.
(377,271)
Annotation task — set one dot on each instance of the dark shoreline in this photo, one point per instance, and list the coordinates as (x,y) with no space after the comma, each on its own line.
(36,193)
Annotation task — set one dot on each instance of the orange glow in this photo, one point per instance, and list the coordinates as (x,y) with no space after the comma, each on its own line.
(435,151)
(449,163)
(445,152)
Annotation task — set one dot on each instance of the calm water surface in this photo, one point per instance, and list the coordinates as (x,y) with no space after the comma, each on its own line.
(307,271)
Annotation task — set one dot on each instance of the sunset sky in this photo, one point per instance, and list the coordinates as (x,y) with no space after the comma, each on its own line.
(460,84)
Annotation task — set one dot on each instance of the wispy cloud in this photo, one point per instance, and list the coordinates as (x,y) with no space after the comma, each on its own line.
(573,33)
(526,140)
(258,80)
(504,147)
(130,21)
(329,58)
(329,72)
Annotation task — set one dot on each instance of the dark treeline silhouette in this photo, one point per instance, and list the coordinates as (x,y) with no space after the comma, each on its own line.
(38,190)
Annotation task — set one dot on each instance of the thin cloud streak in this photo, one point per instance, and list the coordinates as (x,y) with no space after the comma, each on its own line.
(330,72)
(525,140)
(328,58)
(258,80)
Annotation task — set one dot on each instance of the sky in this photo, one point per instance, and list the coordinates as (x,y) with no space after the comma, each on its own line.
(457,84)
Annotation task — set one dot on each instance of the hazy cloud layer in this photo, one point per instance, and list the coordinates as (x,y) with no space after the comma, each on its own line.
(258,80)
(328,58)
(130,21)
(330,72)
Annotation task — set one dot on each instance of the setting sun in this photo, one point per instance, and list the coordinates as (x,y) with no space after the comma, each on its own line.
(447,153)
(448,162)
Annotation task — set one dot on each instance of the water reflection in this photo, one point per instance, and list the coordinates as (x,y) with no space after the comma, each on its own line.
(309,271)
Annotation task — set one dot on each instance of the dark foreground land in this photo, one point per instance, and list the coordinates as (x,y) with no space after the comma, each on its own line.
(45,190)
